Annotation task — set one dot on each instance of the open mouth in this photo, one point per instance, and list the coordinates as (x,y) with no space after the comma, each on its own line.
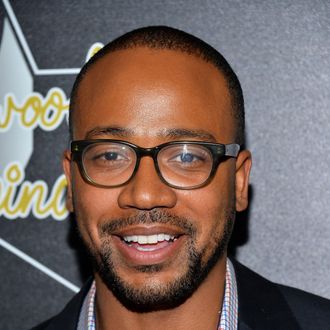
(146,243)
(138,245)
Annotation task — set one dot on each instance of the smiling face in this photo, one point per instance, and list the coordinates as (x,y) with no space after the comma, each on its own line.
(153,244)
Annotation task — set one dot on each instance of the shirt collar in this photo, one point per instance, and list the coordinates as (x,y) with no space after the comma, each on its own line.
(229,310)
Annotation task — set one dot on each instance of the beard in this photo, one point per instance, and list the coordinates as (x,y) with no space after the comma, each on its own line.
(159,296)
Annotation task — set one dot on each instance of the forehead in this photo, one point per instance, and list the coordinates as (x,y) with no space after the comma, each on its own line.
(146,91)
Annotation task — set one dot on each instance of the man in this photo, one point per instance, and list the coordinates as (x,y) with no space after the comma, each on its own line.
(156,173)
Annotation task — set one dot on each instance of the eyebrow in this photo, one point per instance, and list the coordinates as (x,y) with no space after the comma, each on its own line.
(168,133)
(119,132)
(182,133)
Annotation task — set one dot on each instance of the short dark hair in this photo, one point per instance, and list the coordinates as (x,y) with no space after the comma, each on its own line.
(164,37)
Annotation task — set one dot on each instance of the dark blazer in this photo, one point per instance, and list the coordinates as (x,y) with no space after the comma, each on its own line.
(261,305)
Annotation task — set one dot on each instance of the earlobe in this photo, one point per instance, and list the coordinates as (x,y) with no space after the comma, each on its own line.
(243,168)
(66,163)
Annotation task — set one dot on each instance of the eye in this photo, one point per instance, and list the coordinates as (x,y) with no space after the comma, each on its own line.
(108,156)
(111,156)
(186,158)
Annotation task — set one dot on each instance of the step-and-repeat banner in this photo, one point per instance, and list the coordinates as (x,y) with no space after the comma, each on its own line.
(281,53)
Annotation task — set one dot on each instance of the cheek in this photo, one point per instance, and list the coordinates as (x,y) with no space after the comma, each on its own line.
(92,206)
(209,206)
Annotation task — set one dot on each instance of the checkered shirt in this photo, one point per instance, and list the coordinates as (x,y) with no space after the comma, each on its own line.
(228,313)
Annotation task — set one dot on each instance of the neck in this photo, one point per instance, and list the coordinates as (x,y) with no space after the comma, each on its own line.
(200,311)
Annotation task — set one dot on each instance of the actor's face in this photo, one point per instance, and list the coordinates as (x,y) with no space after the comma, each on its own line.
(148,97)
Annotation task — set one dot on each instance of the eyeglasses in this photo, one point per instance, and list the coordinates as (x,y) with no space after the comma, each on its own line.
(180,164)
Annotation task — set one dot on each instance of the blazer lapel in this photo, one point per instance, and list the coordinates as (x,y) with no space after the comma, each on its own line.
(243,326)
(68,318)
(260,303)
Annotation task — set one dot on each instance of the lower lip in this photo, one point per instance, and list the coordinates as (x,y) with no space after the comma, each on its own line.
(148,254)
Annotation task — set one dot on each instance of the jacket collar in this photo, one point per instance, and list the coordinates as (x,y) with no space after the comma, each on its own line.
(68,318)
(260,303)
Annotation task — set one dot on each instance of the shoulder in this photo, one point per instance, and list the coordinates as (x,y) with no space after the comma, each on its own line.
(311,310)
(43,325)
(69,316)
(277,306)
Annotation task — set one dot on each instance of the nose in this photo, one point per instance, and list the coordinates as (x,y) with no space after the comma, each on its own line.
(146,191)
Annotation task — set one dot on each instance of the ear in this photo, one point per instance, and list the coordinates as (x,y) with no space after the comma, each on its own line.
(243,168)
(66,163)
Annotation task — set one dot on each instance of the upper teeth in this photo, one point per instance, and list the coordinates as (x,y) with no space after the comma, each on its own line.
(148,239)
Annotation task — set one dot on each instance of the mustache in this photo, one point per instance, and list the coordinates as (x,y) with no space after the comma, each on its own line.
(147,218)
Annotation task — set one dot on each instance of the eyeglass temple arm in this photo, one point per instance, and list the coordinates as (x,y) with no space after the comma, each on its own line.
(232,150)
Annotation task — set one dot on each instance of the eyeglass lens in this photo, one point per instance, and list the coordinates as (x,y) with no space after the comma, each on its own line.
(182,165)
(185,165)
